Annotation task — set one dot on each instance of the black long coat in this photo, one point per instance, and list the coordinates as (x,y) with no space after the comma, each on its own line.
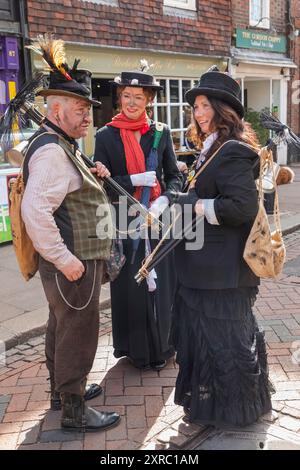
(229,179)
(140,320)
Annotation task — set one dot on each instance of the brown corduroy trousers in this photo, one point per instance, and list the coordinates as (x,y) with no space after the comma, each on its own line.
(72,333)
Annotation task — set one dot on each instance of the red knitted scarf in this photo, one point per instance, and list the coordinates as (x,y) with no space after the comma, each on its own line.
(135,159)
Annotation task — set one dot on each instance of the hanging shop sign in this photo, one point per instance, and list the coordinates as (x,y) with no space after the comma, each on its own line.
(265,41)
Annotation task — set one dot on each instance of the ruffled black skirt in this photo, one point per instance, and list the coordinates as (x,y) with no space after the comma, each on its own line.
(221,352)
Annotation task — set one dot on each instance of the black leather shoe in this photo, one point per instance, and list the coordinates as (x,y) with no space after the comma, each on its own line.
(100,420)
(91,391)
(77,417)
(158,365)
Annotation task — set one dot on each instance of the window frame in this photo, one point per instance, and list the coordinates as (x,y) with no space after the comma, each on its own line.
(265,22)
(181,104)
(190,5)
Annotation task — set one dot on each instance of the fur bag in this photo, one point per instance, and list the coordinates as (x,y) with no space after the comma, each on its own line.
(264,250)
(285,175)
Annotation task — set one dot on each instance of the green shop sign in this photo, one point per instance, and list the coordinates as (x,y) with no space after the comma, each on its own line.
(260,40)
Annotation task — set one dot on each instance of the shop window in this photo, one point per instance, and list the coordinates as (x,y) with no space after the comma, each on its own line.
(102,91)
(259,13)
(184,4)
(171,108)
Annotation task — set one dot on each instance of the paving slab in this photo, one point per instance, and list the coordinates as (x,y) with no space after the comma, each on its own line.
(259,438)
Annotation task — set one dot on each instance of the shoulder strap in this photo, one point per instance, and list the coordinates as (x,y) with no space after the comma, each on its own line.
(36,142)
(267,162)
(216,152)
(158,132)
(210,159)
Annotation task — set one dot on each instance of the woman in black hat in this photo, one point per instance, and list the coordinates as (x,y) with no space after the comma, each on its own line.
(221,352)
(140,315)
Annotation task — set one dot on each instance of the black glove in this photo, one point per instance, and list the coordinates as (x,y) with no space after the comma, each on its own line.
(183,198)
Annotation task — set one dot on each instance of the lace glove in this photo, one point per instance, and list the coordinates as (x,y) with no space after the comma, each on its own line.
(183,198)
(158,206)
(144,179)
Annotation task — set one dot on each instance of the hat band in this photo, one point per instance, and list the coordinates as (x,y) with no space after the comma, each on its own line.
(133,82)
(72,87)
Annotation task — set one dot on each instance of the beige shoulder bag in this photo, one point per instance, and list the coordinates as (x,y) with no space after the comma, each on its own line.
(264,250)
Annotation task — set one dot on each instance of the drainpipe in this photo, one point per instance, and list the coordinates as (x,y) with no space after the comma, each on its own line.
(24,35)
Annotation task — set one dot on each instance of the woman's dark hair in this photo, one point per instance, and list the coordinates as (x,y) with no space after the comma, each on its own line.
(227,124)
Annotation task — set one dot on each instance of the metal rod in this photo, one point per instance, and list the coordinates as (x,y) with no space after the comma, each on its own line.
(165,250)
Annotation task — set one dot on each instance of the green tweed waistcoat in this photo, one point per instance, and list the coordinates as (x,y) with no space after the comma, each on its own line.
(84,217)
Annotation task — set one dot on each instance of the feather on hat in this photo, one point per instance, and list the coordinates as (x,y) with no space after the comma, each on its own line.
(63,80)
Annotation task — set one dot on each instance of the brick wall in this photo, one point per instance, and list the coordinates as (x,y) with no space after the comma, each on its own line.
(294,95)
(278,15)
(137,24)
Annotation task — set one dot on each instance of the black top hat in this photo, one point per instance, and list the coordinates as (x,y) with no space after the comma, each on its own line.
(79,87)
(218,85)
(137,79)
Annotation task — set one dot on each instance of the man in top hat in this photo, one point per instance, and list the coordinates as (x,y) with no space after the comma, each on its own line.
(59,210)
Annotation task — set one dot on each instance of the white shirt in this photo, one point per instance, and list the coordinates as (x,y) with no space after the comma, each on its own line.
(52,176)
(208,204)
(207,143)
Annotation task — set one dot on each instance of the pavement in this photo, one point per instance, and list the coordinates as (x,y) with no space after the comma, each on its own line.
(150,420)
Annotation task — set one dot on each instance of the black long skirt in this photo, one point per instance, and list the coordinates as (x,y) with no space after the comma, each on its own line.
(141,320)
(221,352)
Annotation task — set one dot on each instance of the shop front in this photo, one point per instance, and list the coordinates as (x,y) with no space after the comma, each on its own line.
(6,174)
(260,63)
(9,69)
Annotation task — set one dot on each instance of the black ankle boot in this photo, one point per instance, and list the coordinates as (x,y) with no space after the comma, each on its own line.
(76,416)
(55,401)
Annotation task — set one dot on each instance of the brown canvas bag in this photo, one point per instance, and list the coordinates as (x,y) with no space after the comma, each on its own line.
(264,250)
(26,254)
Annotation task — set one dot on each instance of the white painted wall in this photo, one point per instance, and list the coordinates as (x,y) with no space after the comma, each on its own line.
(258,92)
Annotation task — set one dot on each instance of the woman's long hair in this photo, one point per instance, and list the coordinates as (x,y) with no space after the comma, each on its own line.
(227,124)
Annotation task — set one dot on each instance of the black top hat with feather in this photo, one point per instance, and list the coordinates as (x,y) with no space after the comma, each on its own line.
(64,81)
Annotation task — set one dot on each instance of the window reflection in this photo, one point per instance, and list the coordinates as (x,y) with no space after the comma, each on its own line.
(176,140)
(175,113)
(186,85)
(162,113)
(175,117)
(162,94)
(187,114)
(174,91)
